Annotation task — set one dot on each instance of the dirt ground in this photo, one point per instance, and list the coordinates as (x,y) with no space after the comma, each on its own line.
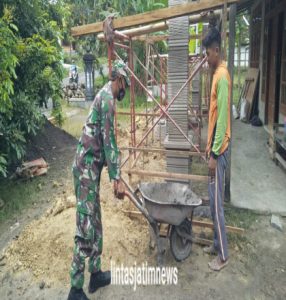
(37,253)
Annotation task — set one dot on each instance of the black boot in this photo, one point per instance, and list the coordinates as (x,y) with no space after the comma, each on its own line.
(98,280)
(77,294)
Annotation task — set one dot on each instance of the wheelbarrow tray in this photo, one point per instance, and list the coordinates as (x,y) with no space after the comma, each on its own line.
(169,202)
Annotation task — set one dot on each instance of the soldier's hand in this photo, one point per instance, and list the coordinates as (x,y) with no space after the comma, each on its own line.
(119,189)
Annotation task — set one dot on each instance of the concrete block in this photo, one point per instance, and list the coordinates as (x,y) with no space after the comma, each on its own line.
(276,222)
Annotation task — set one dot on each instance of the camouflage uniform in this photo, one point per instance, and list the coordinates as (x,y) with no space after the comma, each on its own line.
(97,147)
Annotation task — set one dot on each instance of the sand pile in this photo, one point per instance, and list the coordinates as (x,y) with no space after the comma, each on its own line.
(45,246)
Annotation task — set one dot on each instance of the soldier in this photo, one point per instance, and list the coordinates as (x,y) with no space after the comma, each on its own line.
(96,148)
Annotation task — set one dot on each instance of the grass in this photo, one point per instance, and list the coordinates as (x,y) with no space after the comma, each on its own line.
(242,218)
(239,217)
(66,73)
(18,194)
(74,127)
(103,60)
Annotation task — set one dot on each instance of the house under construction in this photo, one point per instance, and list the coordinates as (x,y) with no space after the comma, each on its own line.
(181,79)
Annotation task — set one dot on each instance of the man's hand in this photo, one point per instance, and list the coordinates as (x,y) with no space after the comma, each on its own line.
(212,166)
(119,189)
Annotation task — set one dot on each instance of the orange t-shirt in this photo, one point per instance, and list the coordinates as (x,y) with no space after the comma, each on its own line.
(219,113)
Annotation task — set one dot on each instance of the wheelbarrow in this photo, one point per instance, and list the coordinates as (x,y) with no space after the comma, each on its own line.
(167,203)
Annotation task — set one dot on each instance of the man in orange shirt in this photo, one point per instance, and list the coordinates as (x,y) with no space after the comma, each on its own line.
(217,145)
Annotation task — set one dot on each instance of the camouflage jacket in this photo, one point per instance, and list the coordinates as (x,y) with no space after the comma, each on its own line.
(97,144)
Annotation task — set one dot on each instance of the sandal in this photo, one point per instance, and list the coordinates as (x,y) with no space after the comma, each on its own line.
(217,264)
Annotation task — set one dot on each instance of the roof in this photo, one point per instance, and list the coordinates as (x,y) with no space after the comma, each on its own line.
(243,5)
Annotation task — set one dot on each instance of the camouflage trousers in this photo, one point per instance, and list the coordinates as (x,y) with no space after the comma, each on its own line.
(88,237)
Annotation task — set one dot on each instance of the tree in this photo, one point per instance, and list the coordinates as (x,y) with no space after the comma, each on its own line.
(8,62)
(31,71)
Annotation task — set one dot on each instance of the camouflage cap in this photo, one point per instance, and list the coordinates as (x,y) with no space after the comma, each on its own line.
(119,68)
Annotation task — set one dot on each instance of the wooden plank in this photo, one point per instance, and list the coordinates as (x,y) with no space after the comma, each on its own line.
(167,175)
(261,105)
(201,241)
(281,160)
(252,75)
(231,47)
(194,222)
(161,26)
(211,226)
(40,163)
(224,30)
(161,37)
(162,151)
(151,38)
(152,16)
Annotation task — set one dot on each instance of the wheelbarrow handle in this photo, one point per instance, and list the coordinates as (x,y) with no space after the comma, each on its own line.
(130,193)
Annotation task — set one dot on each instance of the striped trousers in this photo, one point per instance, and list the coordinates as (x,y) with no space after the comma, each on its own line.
(216,196)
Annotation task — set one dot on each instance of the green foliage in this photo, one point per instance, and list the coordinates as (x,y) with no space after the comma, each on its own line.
(8,61)
(242,30)
(88,11)
(40,71)
(3,164)
(30,72)
(30,60)
(25,118)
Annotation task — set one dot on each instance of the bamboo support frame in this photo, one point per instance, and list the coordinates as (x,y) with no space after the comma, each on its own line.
(132,96)
(148,72)
(195,222)
(162,151)
(166,109)
(122,46)
(134,148)
(167,175)
(123,113)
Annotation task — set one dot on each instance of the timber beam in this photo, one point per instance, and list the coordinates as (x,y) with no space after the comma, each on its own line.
(162,26)
(153,16)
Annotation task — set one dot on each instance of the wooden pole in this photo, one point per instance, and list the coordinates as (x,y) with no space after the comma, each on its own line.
(231,45)
(224,30)
(239,57)
(211,226)
(198,223)
(161,26)
(153,16)
(167,175)
(162,151)
(261,54)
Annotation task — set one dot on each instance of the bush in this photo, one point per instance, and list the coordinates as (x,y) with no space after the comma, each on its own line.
(8,61)
(31,73)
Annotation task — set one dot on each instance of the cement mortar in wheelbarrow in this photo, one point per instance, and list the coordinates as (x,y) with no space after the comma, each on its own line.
(169,202)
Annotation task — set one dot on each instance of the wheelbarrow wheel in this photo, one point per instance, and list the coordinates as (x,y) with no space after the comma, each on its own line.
(180,240)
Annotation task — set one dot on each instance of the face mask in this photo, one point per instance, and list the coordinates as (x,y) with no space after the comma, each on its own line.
(121,94)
